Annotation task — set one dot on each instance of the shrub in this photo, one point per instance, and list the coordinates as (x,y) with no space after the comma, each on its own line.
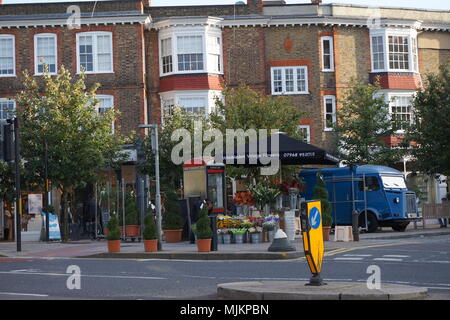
(150,232)
(113,227)
(131,210)
(172,219)
(203,225)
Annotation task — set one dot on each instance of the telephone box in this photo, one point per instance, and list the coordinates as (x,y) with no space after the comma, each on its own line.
(206,179)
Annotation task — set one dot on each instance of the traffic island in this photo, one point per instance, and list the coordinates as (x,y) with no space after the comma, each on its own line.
(298,290)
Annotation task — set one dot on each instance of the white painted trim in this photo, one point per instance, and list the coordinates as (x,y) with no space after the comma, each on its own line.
(308,131)
(94,51)
(283,75)
(13,37)
(331,40)
(47,35)
(325,128)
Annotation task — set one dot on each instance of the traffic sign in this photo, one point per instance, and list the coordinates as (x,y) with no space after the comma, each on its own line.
(311,220)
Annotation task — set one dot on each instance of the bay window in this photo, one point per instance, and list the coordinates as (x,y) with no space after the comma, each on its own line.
(45,53)
(195,49)
(401,109)
(7,56)
(394,50)
(95,52)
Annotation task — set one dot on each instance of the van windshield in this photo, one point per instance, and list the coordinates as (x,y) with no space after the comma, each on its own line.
(393,182)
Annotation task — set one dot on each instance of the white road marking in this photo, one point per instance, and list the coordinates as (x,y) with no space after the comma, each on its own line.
(348,258)
(357,255)
(82,275)
(388,259)
(394,256)
(23,294)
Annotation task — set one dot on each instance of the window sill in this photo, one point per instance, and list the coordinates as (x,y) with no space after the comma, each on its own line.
(328,70)
(95,72)
(8,76)
(290,93)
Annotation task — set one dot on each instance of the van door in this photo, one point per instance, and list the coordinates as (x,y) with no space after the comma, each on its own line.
(375,198)
(340,195)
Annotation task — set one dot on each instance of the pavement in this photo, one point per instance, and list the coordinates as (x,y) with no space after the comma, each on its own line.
(188,251)
(298,290)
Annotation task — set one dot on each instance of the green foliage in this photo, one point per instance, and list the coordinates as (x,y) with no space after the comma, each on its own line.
(203,226)
(172,219)
(321,193)
(113,227)
(245,108)
(265,194)
(150,232)
(429,135)
(131,209)
(363,122)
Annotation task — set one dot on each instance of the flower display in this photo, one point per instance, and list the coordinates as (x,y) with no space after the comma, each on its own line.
(244,198)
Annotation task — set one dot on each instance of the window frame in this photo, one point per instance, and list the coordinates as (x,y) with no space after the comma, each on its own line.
(308,132)
(283,80)
(13,38)
(325,113)
(95,35)
(331,41)
(391,95)
(410,34)
(36,61)
(205,33)
(3,100)
(106,96)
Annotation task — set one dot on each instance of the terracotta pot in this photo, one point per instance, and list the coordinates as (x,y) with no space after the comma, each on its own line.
(132,231)
(105,232)
(326,233)
(203,245)
(173,235)
(151,245)
(113,246)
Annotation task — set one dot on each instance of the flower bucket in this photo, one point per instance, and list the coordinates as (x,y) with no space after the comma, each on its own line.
(239,238)
(220,238)
(255,237)
(226,238)
(271,235)
(172,236)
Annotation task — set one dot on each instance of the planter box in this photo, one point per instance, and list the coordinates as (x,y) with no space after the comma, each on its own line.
(151,245)
(172,236)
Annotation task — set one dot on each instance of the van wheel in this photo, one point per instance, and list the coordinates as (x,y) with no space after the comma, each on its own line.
(372,222)
(400,227)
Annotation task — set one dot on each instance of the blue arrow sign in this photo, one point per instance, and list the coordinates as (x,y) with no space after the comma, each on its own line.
(314,218)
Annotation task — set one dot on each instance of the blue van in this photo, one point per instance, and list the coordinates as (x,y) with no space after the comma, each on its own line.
(377,193)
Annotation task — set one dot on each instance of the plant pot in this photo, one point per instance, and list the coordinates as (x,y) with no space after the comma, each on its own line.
(105,232)
(203,245)
(271,235)
(151,245)
(226,238)
(172,236)
(255,237)
(132,231)
(220,238)
(113,246)
(326,233)
(239,238)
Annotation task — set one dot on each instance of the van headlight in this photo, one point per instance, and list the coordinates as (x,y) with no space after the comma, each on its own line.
(397,200)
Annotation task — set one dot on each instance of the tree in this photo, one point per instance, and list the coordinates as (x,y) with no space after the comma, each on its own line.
(60,111)
(429,134)
(363,124)
(173,173)
(245,108)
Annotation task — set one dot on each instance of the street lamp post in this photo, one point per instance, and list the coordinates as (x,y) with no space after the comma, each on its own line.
(155,150)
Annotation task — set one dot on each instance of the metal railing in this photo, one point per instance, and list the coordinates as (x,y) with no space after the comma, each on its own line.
(435,211)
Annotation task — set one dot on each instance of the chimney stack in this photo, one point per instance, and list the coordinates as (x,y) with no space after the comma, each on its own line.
(316,1)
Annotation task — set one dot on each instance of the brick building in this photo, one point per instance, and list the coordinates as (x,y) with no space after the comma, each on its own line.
(150,58)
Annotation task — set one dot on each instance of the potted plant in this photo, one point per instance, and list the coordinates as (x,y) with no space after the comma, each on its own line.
(150,234)
(131,216)
(113,235)
(270,227)
(204,231)
(238,234)
(321,193)
(172,221)
(264,196)
(226,235)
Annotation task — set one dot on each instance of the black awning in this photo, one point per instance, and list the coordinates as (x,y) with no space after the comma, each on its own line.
(290,152)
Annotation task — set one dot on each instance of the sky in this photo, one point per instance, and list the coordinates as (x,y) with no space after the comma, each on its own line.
(424,4)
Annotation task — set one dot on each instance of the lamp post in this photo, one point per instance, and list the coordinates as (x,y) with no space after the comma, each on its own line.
(155,150)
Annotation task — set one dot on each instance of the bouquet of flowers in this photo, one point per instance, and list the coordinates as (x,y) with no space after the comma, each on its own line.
(269,225)
(238,230)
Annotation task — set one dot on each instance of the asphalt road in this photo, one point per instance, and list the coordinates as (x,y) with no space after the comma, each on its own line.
(421,262)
